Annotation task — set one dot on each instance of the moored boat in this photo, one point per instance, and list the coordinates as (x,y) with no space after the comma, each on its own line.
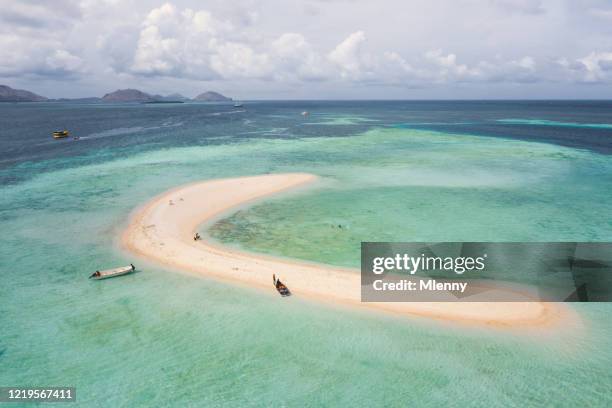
(60,134)
(111,273)
(282,289)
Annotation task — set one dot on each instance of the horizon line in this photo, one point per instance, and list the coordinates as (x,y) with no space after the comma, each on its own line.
(59,99)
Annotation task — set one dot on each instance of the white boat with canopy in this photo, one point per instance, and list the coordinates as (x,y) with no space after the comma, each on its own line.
(111,273)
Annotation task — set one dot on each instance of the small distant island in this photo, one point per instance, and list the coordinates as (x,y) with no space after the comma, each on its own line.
(8,94)
(211,96)
(127,95)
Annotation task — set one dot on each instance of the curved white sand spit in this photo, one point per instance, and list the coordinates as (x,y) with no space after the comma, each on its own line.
(163,232)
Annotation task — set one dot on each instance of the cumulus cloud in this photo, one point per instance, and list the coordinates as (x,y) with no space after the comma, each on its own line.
(37,57)
(175,43)
(32,39)
(295,58)
(195,44)
(598,66)
(349,56)
(198,44)
(236,60)
(28,14)
(449,68)
(286,46)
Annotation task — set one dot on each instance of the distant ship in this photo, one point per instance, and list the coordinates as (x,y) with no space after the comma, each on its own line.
(60,134)
(237,104)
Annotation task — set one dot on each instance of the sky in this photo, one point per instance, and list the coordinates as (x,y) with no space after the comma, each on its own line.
(310,49)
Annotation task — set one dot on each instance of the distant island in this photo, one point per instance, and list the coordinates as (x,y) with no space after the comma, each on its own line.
(127,95)
(8,94)
(211,96)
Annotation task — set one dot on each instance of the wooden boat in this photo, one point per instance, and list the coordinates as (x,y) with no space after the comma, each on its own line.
(111,273)
(280,287)
(60,134)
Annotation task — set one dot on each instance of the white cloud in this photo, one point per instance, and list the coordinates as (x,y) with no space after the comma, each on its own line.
(235,60)
(194,44)
(62,60)
(32,39)
(450,69)
(279,46)
(598,66)
(349,56)
(197,44)
(397,69)
(526,63)
(295,58)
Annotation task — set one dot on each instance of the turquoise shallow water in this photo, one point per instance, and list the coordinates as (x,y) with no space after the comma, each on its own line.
(427,186)
(539,122)
(161,338)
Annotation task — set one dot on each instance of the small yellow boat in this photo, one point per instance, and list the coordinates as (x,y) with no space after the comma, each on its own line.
(60,134)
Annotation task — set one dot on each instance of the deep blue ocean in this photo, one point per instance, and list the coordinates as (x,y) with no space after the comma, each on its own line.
(109,131)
